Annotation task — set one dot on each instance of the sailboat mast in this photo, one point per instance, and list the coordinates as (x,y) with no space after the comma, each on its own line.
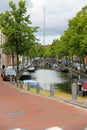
(44,29)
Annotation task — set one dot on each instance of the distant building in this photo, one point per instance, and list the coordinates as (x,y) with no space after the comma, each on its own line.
(2,55)
(85,60)
(4,59)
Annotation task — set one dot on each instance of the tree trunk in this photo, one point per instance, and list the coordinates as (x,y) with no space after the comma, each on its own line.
(13,60)
(17,71)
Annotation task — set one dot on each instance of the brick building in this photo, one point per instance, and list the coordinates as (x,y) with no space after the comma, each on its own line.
(4,59)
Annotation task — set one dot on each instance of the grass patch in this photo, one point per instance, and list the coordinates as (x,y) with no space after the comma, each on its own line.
(57,94)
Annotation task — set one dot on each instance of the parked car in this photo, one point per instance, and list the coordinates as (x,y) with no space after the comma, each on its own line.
(84,88)
(76,66)
(8,73)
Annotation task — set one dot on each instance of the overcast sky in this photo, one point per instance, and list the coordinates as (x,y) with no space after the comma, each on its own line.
(56,13)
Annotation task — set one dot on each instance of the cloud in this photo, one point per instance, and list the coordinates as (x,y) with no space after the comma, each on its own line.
(55,11)
(57,14)
(48,38)
(4,5)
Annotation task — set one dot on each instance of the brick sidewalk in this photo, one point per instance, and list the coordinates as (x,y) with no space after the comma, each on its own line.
(80,103)
(28,111)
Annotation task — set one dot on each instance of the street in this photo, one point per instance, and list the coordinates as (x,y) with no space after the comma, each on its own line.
(26,111)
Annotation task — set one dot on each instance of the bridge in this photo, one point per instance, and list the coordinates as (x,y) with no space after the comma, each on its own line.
(48,62)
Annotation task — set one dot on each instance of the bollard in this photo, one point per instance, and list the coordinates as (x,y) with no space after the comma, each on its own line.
(38,88)
(74,91)
(51,90)
(11,79)
(28,87)
(21,85)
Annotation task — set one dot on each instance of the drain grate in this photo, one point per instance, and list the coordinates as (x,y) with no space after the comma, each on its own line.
(17,113)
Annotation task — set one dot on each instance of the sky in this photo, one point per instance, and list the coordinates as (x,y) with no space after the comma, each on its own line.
(52,16)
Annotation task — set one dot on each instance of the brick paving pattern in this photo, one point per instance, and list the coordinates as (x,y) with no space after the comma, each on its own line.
(25,111)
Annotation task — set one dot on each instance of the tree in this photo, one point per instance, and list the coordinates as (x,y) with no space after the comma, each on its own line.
(74,39)
(16,25)
(78,25)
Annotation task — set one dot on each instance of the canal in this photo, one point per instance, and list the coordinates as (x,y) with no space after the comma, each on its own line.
(46,78)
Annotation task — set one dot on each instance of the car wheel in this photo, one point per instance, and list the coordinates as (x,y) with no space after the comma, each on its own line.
(4,78)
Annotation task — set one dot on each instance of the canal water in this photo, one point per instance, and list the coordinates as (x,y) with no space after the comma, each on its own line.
(46,78)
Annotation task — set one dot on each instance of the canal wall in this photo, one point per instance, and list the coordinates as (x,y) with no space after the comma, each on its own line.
(77,74)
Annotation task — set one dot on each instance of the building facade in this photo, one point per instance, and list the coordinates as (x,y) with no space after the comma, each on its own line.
(2,55)
(4,59)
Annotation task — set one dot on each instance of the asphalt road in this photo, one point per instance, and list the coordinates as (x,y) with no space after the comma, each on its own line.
(25,111)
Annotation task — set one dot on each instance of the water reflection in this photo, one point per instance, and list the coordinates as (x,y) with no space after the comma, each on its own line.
(47,77)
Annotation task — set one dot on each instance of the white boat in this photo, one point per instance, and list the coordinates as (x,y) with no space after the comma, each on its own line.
(31,83)
(31,69)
